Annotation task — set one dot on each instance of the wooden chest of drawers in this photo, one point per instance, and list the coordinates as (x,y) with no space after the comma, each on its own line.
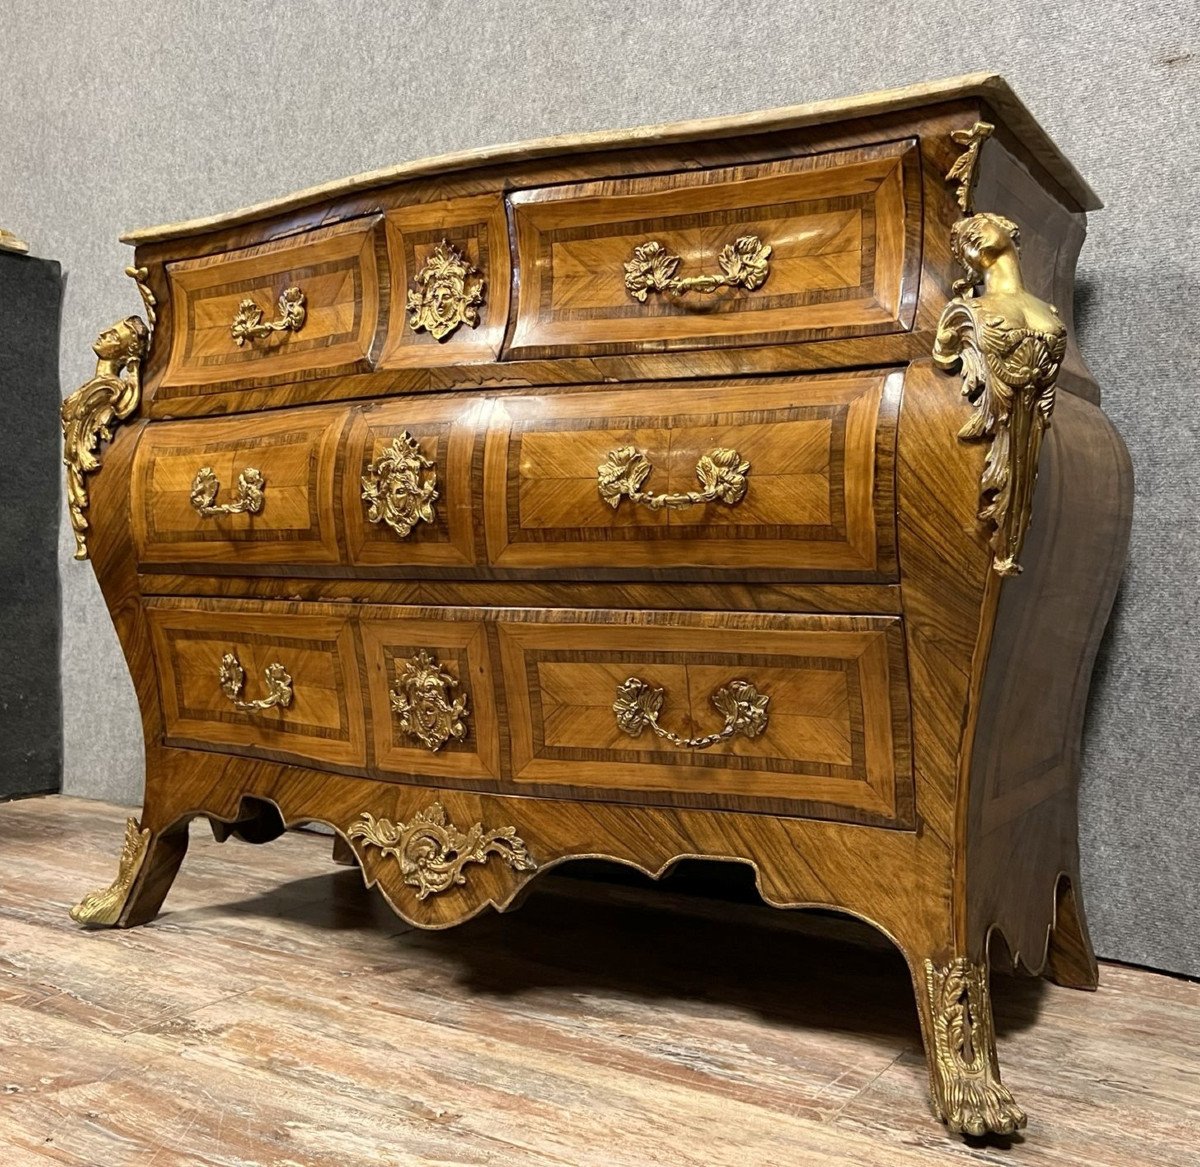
(636,496)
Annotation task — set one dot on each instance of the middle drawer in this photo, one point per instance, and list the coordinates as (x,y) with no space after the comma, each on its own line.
(785,478)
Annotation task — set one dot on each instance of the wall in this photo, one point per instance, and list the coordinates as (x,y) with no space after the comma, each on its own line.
(127,114)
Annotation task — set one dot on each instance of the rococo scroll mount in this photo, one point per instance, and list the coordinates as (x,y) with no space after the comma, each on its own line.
(423,697)
(93,410)
(432,851)
(1008,346)
(103,908)
(968,1095)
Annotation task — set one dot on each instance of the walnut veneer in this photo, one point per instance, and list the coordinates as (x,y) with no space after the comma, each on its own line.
(618,497)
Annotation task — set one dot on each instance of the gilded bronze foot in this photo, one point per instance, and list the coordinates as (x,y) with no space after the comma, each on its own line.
(964,1074)
(148,865)
(103,908)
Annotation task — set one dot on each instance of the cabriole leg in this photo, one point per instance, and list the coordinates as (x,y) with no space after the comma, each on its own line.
(960,1046)
(147,868)
(1070,960)
(343,853)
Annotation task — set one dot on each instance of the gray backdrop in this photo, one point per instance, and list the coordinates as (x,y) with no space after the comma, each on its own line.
(127,114)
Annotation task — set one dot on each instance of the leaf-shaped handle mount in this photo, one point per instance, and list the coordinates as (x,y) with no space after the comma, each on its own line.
(233,680)
(744,708)
(744,264)
(721,474)
(250,323)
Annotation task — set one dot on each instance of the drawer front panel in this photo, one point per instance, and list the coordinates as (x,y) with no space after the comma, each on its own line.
(337,271)
(322,721)
(450,277)
(793,477)
(824,702)
(292,452)
(432,697)
(406,482)
(654,263)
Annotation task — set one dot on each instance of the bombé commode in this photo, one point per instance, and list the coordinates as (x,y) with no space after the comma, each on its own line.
(728,489)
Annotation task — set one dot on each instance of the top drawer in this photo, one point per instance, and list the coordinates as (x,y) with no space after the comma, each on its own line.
(307,305)
(799,249)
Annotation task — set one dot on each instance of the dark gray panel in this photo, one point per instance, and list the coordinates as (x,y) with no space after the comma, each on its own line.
(30,686)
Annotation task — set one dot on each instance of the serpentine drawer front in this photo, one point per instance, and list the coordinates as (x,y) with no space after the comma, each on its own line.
(824,245)
(408,492)
(450,277)
(788,476)
(246,490)
(277,311)
(800,714)
(280,684)
(793,476)
(809,714)
(728,490)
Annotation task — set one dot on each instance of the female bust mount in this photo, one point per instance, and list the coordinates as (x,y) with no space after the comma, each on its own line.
(1010,345)
(89,414)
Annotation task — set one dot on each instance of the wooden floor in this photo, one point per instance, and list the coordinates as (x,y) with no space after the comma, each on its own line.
(277,1014)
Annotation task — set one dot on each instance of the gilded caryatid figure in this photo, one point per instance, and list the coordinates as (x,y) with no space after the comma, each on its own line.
(91,412)
(1009,346)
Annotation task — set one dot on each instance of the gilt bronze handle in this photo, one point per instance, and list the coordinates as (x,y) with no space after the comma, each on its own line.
(251,493)
(248,322)
(721,473)
(744,264)
(233,681)
(743,706)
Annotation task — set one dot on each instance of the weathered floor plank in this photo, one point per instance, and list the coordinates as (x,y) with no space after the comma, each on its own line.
(277,1013)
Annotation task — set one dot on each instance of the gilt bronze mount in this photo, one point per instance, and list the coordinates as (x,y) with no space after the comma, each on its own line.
(1008,346)
(432,851)
(448,293)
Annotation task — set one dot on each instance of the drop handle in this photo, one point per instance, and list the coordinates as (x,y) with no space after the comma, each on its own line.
(745,263)
(233,682)
(721,474)
(249,321)
(250,499)
(638,705)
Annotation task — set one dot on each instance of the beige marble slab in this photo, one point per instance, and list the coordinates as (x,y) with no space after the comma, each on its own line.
(989,86)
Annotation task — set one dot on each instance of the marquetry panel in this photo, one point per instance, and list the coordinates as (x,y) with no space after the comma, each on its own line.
(819,489)
(444,429)
(337,269)
(837,718)
(843,228)
(477,229)
(294,449)
(460,648)
(324,723)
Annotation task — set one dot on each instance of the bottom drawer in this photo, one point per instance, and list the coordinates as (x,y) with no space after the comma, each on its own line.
(801,715)
(735,708)
(261,679)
